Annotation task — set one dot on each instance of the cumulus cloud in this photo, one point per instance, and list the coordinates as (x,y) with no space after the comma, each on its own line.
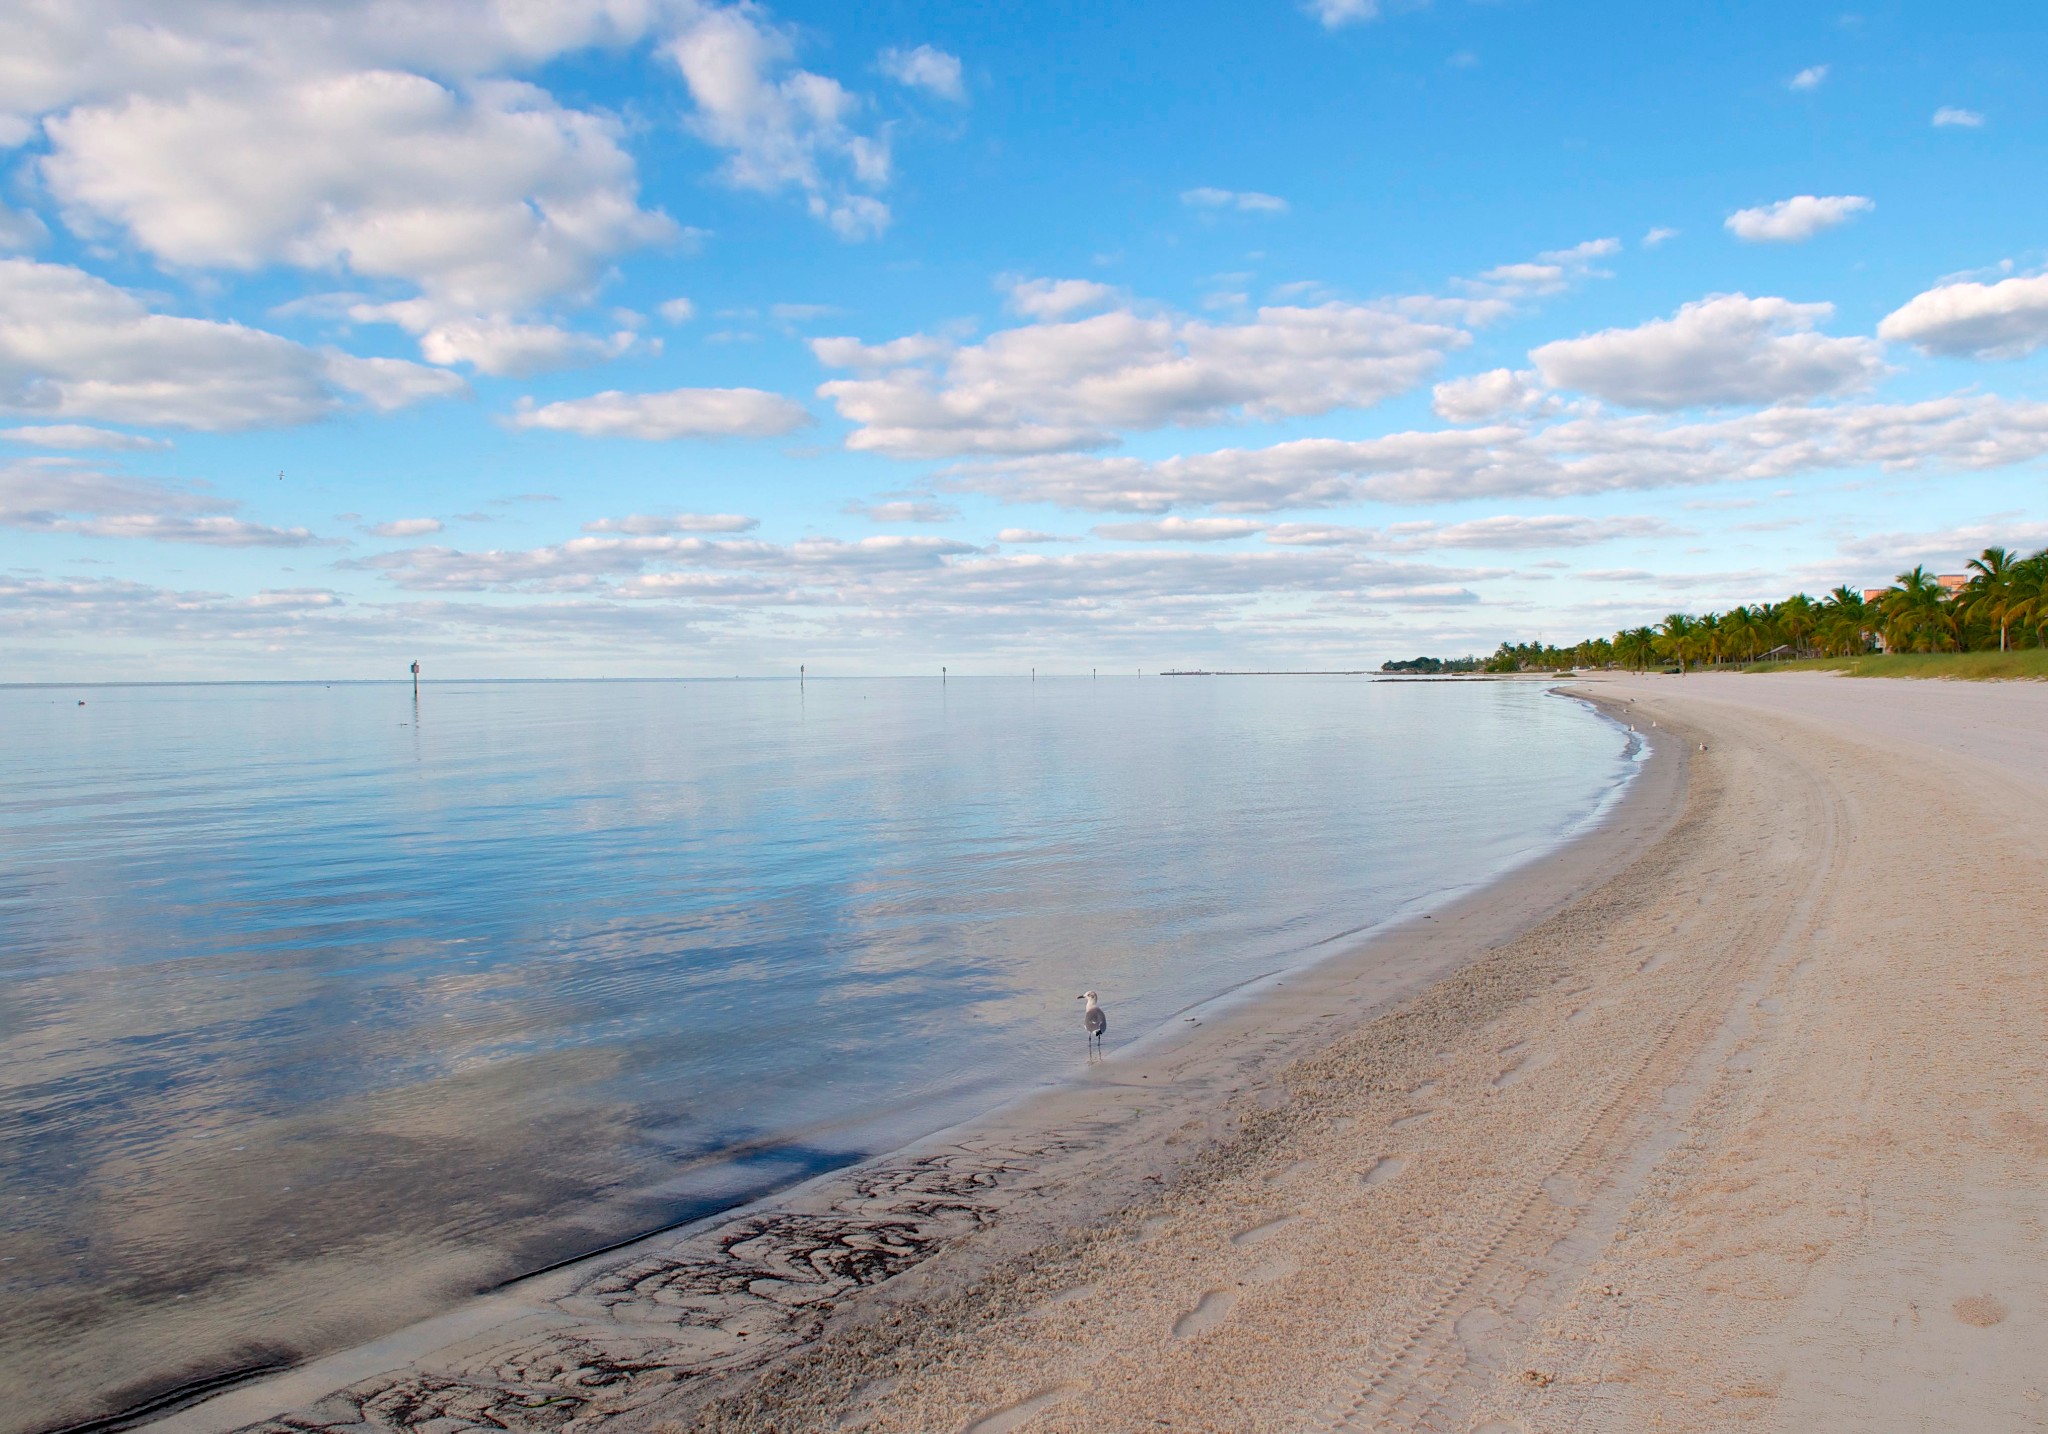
(1248,201)
(1575,456)
(20,231)
(387,383)
(2005,320)
(79,435)
(1551,272)
(678,413)
(1795,220)
(406,528)
(781,127)
(1721,350)
(75,346)
(903,510)
(1949,117)
(926,585)
(1657,236)
(1067,385)
(1508,532)
(488,200)
(1032,535)
(390,142)
(1056,298)
(503,348)
(61,496)
(924,68)
(676,311)
(1809,78)
(1479,397)
(652,524)
(1181,530)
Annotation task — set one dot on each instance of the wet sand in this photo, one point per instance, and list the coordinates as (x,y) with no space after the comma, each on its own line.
(1731,1114)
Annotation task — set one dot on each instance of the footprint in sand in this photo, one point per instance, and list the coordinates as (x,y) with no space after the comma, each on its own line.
(1015,1416)
(1259,1232)
(1521,1070)
(1215,1304)
(1151,1228)
(1578,1016)
(1565,1191)
(1065,1297)
(1653,963)
(1290,1170)
(1416,1119)
(1384,1169)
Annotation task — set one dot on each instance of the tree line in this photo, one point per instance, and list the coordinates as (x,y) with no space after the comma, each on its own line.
(2004,605)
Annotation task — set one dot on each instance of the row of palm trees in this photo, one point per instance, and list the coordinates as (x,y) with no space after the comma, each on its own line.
(2004,605)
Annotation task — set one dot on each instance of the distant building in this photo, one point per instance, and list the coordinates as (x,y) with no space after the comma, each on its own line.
(1953,583)
(1873,594)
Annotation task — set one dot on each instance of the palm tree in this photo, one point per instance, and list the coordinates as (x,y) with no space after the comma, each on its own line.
(1679,638)
(1916,612)
(1990,593)
(1797,619)
(2029,584)
(1636,647)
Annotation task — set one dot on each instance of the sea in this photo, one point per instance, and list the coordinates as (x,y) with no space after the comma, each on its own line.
(323,1007)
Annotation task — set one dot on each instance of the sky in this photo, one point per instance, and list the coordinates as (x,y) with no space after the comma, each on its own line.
(681,338)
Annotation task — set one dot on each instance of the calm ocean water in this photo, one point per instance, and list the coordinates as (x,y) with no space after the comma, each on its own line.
(318,1011)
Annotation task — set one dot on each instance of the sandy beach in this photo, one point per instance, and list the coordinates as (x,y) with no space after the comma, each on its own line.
(1730,1114)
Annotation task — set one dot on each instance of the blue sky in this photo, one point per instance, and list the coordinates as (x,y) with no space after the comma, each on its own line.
(635,337)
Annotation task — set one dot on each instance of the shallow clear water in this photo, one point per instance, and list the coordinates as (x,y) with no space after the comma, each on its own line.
(318,1010)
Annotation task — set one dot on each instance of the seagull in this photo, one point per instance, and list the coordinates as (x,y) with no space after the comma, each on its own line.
(1092,1019)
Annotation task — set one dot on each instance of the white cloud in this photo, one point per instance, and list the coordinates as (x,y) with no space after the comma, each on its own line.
(1795,220)
(1053,386)
(1726,349)
(1337,13)
(782,128)
(1551,272)
(487,200)
(903,510)
(931,587)
(1508,532)
(1248,201)
(75,346)
(60,496)
(678,413)
(1659,236)
(1058,298)
(1482,396)
(653,524)
(503,348)
(1032,535)
(2005,320)
(387,383)
(1809,78)
(927,69)
(1575,456)
(406,528)
(676,311)
(79,435)
(1948,117)
(1181,530)
(20,231)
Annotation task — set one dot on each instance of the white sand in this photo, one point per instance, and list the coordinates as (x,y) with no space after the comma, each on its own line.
(1734,1118)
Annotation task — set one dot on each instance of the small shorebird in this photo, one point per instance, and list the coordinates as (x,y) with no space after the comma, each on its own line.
(1093,1020)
